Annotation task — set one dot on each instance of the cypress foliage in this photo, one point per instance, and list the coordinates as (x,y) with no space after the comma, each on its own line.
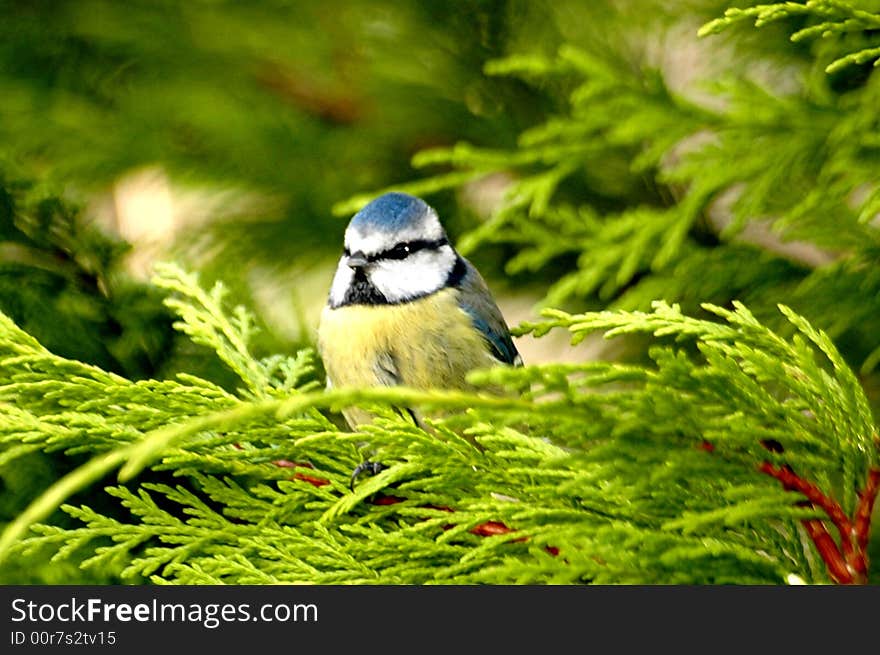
(599,472)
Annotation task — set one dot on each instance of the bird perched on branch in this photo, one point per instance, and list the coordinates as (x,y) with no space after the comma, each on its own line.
(405,308)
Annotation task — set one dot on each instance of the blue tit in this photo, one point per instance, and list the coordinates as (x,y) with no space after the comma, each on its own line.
(405,308)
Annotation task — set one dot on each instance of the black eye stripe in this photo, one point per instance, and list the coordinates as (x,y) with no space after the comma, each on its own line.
(404,250)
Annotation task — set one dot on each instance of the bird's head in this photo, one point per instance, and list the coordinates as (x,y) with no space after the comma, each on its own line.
(395,251)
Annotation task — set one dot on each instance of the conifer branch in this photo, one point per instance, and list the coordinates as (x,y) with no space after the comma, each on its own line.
(846,562)
(862,522)
(791,481)
(584,472)
(55,495)
(828,551)
(833,18)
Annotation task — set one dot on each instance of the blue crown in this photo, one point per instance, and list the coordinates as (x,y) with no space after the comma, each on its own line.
(390,212)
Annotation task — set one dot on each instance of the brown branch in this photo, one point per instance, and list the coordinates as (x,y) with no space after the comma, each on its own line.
(829,551)
(848,562)
(793,482)
(489,528)
(862,522)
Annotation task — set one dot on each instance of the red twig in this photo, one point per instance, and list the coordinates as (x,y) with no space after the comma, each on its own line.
(311,479)
(382,499)
(793,482)
(862,522)
(490,528)
(835,563)
(847,562)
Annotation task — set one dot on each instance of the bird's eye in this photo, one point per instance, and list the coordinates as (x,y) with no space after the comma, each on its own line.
(400,251)
(346,252)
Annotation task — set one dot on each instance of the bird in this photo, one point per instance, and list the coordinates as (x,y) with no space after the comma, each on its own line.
(405,308)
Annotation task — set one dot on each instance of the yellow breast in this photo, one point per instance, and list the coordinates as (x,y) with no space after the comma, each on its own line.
(429,343)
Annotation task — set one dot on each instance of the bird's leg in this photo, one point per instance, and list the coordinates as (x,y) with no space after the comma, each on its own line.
(373,468)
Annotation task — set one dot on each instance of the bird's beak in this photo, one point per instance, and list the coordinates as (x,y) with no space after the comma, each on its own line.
(357,260)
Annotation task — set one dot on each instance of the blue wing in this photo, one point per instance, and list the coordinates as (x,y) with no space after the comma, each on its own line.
(476,300)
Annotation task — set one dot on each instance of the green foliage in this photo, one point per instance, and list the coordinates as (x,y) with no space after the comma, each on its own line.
(591,472)
(831,19)
(61,281)
(291,102)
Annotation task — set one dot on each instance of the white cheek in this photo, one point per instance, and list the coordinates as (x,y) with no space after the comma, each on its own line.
(419,274)
(341,282)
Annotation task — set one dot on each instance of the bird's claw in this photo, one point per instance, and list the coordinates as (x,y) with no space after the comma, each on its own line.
(366,466)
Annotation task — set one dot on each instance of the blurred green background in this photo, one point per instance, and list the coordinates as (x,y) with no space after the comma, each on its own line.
(222,133)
